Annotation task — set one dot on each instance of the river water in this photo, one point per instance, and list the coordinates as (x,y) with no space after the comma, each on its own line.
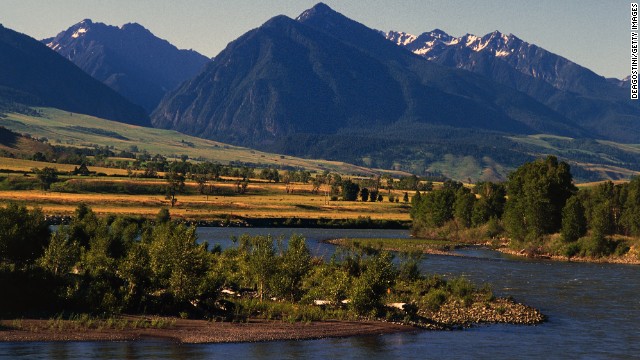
(593,310)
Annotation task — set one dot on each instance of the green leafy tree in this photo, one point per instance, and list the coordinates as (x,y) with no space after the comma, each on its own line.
(179,263)
(61,254)
(463,207)
(630,216)
(24,235)
(371,286)
(175,185)
(364,194)
(46,176)
(537,192)
(163,216)
(574,223)
(293,266)
(434,209)
(350,190)
(261,262)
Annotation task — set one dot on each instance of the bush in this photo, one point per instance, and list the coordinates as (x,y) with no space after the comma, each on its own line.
(434,299)
(19,183)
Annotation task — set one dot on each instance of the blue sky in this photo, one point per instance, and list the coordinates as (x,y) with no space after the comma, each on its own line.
(592,33)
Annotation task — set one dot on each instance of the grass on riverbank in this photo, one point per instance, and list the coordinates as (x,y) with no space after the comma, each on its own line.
(399,245)
(76,322)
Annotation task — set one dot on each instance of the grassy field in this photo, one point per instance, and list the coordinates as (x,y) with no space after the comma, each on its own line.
(25,166)
(64,128)
(262,200)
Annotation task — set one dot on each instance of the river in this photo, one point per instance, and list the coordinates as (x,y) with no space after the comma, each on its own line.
(593,310)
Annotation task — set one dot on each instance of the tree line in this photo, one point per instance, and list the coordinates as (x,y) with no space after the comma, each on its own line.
(538,208)
(116,264)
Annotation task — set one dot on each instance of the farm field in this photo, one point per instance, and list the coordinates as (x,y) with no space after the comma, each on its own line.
(262,200)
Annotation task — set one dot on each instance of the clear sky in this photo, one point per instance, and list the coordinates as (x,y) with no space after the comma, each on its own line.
(592,33)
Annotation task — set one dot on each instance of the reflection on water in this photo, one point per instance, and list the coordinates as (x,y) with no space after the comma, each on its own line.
(593,309)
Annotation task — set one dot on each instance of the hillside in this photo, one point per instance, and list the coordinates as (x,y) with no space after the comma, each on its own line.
(324,74)
(32,74)
(322,83)
(61,128)
(129,59)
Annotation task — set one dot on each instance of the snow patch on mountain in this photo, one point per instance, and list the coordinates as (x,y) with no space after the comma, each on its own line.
(79,32)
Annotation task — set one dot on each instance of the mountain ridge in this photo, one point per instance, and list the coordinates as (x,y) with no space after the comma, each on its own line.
(420,84)
(33,75)
(598,104)
(129,58)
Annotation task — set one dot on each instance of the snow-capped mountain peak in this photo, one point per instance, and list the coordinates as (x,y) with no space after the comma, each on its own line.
(433,43)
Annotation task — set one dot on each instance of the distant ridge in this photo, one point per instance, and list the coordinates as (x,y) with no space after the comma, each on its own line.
(600,105)
(129,59)
(32,74)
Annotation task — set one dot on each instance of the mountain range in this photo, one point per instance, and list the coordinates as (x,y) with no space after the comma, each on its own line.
(129,59)
(599,105)
(325,86)
(33,75)
(326,74)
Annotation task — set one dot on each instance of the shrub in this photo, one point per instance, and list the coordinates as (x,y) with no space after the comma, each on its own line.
(434,299)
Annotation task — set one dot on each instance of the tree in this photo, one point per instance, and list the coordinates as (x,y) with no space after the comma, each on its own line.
(463,207)
(364,194)
(270,174)
(201,180)
(433,209)
(61,254)
(630,217)
(293,266)
(350,190)
(179,264)
(175,185)
(370,287)
(537,193)
(261,262)
(574,223)
(163,216)
(46,176)
(24,234)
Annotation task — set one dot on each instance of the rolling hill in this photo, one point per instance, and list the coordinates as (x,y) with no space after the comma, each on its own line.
(77,130)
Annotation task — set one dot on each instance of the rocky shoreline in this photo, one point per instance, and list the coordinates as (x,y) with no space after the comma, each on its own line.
(451,316)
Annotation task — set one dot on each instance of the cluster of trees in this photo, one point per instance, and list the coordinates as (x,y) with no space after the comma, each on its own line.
(118,264)
(454,202)
(538,200)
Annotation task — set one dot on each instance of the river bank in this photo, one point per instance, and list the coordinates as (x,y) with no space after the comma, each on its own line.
(194,331)
(444,247)
(271,222)
(630,258)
